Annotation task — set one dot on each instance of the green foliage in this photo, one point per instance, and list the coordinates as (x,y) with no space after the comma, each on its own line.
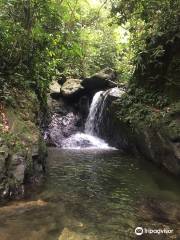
(139,105)
(41,39)
(27,31)
(154,29)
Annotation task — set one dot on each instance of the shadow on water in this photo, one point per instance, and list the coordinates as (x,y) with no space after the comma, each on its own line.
(95,194)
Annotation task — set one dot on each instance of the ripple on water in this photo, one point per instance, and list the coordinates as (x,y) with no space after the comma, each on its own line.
(91,194)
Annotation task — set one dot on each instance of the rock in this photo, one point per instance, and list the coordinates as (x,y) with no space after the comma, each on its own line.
(71,88)
(101,80)
(22,152)
(62,79)
(177,149)
(84,104)
(158,142)
(156,209)
(61,127)
(18,167)
(54,89)
(114,134)
(64,119)
(70,235)
(4,152)
(20,207)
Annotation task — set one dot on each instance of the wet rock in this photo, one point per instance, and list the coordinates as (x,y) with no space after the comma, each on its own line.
(62,79)
(64,120)
(84,104)
(17,167)
(82,140)
(54,89)
(101,80)
(22,148)
(160,211)
(21,207)
(71,88)
(114,134)
(70,235)
(4,152)
(62,127)
(157,142)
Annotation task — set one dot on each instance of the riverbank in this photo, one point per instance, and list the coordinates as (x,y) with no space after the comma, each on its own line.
(22,148)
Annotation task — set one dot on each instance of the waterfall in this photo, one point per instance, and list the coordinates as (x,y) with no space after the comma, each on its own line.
(95,116)
(93,111)
(89,138)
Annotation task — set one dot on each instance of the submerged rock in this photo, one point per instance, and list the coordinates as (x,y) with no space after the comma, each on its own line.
(70,235)
(20,207)
(82,140)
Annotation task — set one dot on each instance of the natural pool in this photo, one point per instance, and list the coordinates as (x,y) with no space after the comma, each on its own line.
(95,195)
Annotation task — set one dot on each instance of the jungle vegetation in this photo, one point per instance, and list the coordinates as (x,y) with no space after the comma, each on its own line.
(43,39)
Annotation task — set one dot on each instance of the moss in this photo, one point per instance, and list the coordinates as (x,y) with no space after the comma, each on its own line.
(134,109)
(21,139)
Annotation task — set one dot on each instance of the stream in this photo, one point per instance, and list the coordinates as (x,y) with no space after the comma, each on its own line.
(93,191)
(94,194)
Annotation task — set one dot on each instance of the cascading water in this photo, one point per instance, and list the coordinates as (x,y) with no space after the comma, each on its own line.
(88,139)
(91,119)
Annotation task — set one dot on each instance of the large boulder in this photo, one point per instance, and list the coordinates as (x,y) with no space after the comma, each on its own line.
(64,120)
(54,89)
(71,88)
(61,79)
(101,80)
(158,142)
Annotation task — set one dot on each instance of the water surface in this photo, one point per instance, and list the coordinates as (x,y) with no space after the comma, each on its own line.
(95,194)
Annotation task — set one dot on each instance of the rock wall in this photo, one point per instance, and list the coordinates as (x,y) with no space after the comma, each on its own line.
(22,148)
(158,141)
(69,102)
(64,119)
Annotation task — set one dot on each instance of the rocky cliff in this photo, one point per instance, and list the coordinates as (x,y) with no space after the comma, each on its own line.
(146,118)
(22,150)
(154,135)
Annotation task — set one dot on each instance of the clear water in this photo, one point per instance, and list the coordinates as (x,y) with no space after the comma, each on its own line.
(95,195)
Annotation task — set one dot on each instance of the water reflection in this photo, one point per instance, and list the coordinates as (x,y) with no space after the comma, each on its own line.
(95,195)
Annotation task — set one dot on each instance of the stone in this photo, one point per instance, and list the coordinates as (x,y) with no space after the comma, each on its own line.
(71,235)
(84,104)
(62,79)
(101,80)
(61,127)
(158,142)
(4,152)
(54,89)
(18,167)
(21,207)
(71,88)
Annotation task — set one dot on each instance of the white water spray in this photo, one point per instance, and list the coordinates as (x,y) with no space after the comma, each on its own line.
(89,138)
